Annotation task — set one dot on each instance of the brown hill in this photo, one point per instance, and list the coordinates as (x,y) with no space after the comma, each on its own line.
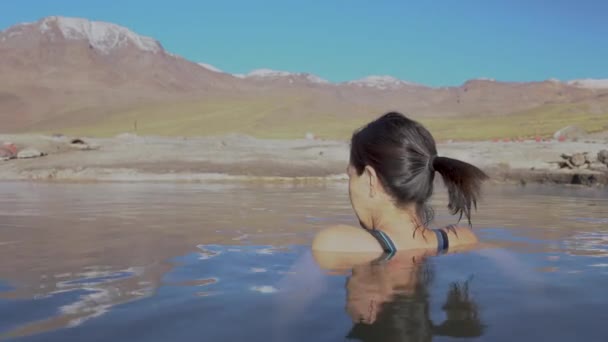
(77,75)
(58,66)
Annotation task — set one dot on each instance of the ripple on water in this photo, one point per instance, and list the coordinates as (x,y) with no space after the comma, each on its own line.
(591,244)
(235,269)
(592,220)
(75,298)
(98,277)
(264,289)
(206,252)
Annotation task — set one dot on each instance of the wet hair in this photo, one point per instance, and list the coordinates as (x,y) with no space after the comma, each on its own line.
(404,156)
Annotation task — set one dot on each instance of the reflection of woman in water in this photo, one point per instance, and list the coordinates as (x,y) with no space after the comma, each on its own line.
(392,166)
(390,302)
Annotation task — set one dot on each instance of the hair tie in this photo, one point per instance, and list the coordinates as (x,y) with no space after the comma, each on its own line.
(430,163)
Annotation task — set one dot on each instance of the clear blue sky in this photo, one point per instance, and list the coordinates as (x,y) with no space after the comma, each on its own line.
(430,42)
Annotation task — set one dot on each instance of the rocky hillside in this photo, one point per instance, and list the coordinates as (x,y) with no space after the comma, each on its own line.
(100,78)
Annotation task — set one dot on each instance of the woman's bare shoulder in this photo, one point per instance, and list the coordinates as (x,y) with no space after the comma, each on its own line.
(460,236)
(344,238)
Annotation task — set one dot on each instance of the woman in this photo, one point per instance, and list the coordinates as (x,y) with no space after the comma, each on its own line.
(392,166)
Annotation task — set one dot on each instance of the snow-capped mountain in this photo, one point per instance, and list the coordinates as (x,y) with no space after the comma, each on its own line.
(382,82)
(290,77)
(267,73)
(590,83)
(68,71)
(98,51)
(57,62)
(210,67)
(484,79)
(102,36)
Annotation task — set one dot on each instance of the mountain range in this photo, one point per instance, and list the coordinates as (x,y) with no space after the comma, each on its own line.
(97,78)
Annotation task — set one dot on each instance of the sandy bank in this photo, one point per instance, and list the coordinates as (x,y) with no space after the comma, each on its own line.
(235,157)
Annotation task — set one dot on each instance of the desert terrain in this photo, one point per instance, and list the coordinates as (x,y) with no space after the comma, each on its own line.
(146,114)
(129,157)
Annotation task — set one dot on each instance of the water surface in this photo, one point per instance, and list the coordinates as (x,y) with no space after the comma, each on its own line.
(182,262)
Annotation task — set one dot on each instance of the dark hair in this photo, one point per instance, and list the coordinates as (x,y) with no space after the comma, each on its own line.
(404,156)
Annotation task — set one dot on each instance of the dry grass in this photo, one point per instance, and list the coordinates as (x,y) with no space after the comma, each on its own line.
(541,121)
(270,118)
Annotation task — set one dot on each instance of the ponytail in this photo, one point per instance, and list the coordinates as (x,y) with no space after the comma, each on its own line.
(463,181)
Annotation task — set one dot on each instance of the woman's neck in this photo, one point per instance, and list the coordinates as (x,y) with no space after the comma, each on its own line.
(401,224)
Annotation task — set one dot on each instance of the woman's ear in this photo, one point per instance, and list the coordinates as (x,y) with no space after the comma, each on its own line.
(371,178)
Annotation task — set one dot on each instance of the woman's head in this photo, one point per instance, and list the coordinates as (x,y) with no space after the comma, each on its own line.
(394,159)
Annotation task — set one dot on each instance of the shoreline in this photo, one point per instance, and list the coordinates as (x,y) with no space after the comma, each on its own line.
(238,158)
(514,177)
